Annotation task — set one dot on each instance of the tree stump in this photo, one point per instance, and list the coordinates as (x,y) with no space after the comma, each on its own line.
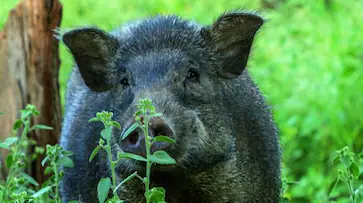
(29,65)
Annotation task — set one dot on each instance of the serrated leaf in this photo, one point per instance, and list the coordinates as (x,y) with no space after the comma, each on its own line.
(133,156)
(130,130)
(66,162)
(44,160)
(30,179)
(9,160)
(332,185)
(157,194)
(162,138)
(17,124)
(94,119)
(162,157)
(116,124)
(48,170)
(42,127)
(106,133)
(103,188)
(94,153)
(41,191)
(354,169)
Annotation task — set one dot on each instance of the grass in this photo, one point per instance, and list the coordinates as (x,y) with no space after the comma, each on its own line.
(307,61)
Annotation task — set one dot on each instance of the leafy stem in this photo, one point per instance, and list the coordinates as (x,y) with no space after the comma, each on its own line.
(56,181)
(148,163)
(15,157)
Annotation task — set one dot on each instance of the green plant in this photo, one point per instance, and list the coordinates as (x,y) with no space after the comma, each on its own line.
(142,116)
(285,183)
(15,188)
(348,172)
(57,157)
(19,187)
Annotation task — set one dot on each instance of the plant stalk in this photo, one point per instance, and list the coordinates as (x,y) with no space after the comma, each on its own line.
(56,179)
(16,154)
(148,164)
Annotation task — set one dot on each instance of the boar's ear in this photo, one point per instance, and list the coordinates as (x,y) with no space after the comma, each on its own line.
(231,36)
(94,51)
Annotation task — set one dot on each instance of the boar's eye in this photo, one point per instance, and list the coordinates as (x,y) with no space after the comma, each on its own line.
(193,75)
(124,82)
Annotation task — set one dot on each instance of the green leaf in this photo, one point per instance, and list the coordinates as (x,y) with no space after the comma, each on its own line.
(130,129)
(359,191)
(30,179)
(346,161)
(66,162)
(73,201)
(2,145)
(106,133)
(67,153)
(133,156)
(36,112)
(17,124)
(336,160)
(103,188)
(9,160)
(1,113)
(48,170)
(41,191)
(94,153)
(162,138)
(25,114)
(8,142)
(157,194)
(114,199)
(332,185)
(125,180)
(94,119)
(42,127)
(354,169)
(45,160)
(116,124)
(162,157)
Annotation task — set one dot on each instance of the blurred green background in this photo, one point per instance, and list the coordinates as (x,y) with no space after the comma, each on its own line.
(307,60)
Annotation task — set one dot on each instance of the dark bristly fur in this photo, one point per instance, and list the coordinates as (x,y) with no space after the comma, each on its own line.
(227,147)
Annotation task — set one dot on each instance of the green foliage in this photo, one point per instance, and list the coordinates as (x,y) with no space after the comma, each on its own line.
(307,61)
(145,110)
(19,186)
(56,157)
(348,172)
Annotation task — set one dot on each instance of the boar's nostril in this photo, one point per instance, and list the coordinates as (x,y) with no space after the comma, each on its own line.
(133,138)
(159,127)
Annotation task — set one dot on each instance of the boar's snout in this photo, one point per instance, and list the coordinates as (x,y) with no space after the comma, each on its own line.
(135,141)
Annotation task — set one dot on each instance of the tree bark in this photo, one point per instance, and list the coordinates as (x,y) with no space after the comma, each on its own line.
(29,65)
